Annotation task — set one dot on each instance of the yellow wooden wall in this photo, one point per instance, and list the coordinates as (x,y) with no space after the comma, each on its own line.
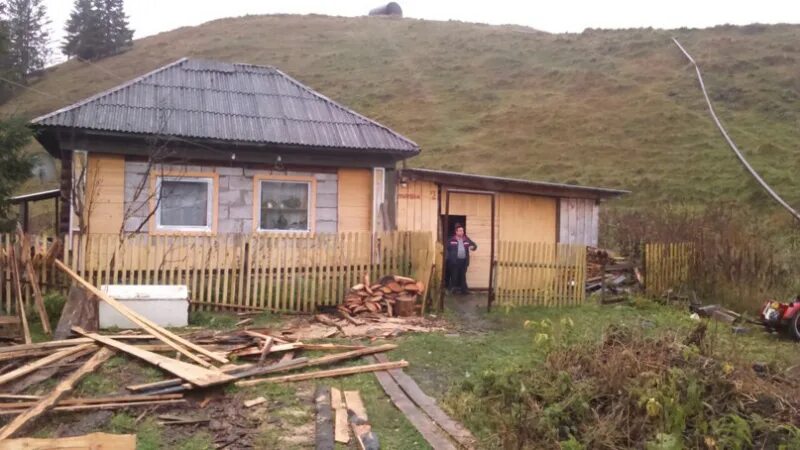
(104,202)
(355,200)
(416,207)
(526,218)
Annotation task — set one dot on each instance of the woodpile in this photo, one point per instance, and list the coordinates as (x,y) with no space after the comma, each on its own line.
(609,272)
(392,295)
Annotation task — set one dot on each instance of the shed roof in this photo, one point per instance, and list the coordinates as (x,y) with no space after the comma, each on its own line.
(502,184)
(194,98)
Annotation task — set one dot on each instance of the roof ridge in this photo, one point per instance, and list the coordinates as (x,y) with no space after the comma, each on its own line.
(236,114)
(110,90)
(340,106)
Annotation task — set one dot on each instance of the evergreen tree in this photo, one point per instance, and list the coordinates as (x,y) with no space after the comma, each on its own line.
(6,67)
(27,35)
(97,28)
(15,165)
(84,35)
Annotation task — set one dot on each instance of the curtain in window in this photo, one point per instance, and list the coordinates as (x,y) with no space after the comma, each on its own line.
(184,203)
(284,205)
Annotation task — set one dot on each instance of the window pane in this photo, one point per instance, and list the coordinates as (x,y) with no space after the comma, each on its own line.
(284,205)
(184,203)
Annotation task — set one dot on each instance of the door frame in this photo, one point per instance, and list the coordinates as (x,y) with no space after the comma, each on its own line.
(446,215)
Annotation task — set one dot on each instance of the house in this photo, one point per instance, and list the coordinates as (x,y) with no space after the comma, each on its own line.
(209,148)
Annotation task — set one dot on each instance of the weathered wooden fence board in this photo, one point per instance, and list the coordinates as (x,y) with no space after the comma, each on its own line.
(539,273)
(287,272)
(666,266)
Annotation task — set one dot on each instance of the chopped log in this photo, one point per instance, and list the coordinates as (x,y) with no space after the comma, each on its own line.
(198,376)
(323,435)
(404,307)
(160,333)
(402,279)
(93,441)
(55,395)
(244,322)
(395,287)
(79,310)
(253,402)
(325,373)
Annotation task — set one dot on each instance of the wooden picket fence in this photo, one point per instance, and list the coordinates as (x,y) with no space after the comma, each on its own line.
(49,278)
(539,273)
(286,272)
(666,266)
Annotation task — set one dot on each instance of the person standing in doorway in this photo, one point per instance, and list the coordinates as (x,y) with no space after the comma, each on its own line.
(458,248)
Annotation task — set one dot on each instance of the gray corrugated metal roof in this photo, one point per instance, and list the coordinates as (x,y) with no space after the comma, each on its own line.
(203,99)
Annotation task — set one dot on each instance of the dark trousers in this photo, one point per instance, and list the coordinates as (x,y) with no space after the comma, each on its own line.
(458,275)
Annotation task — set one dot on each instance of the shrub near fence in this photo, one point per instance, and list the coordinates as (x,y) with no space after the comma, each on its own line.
(287,272)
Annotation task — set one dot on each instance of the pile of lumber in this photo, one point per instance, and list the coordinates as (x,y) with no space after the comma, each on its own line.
(610,273)
(191,362)
(393,295)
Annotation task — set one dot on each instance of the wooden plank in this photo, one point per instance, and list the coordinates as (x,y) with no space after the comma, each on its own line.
(100,406)
(93,441)
(323,435)
(26,332)
(160,333)
(427,428)
(33,399)
(325,373)
(254,402)
(43,362)
(33,280)
(359,421)
(55,395)
(457,431)
(341,431)
(196,375)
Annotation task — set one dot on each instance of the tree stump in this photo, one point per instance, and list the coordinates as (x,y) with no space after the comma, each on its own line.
(404,305)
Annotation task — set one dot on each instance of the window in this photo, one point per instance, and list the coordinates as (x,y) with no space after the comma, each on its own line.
(184,203)
(284,205)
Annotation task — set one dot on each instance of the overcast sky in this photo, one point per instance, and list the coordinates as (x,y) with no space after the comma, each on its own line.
(153,16)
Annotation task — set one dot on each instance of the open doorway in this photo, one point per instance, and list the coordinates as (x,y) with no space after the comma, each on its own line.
(449,224)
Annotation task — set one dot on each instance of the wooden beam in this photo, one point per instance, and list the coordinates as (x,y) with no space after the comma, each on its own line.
(26,331)
(68,343)
(265,350)
(92,401)
(323,435)
(55,395)
(102,406)
(325,373)
(456,430)
(160,333)
(341,430)
(33,280)
(426,427)
(93,441)
(198,376)
(47,360)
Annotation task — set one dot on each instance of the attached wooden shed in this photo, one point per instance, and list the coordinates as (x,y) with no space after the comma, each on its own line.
(495,208)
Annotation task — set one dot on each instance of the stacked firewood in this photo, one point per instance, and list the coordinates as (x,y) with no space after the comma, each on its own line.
(392,295)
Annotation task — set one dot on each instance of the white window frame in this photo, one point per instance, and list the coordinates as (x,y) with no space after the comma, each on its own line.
(309,205)
(209,204)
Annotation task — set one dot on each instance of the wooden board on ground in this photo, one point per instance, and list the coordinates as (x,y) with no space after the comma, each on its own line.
(341,431)
(323,435)
(198,376)
(456,430)
(426,427)
(359,422)
(47,360)
(55,395)
(80,310)
(93,441)
(324,373)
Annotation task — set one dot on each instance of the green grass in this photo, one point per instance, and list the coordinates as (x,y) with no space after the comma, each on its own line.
(612,108)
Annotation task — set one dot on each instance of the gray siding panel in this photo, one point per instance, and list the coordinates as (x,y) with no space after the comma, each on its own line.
(578,221)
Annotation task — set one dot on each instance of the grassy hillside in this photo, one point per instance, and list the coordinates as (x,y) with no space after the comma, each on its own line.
(610,108)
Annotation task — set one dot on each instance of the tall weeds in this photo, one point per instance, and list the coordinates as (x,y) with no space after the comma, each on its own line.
(739,259)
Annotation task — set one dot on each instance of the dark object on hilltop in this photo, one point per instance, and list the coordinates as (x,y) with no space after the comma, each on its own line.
(389,9)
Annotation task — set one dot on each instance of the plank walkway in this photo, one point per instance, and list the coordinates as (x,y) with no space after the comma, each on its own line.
(439,429)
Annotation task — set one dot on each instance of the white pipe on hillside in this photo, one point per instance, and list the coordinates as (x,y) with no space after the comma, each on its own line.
(735,149)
